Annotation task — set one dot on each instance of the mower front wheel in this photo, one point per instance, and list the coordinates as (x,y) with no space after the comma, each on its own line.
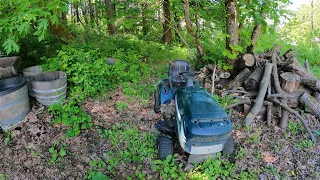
(157,104)
(165,147)
(228,146)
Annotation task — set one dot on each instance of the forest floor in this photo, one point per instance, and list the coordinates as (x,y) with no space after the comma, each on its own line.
(124,130)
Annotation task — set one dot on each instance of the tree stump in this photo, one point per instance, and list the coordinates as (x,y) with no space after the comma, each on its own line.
(253,81)
(9,66)
(290,82)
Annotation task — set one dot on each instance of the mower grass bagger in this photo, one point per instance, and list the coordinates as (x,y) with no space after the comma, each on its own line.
(200,124)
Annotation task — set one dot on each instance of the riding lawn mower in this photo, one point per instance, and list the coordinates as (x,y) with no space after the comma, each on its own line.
(200,125)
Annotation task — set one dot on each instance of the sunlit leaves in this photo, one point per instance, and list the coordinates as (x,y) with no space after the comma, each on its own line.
(10,46)
(20,18)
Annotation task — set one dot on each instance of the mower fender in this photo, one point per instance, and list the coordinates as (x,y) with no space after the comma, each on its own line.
(165,92)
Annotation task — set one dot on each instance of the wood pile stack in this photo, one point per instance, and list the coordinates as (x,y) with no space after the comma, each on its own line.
(268,84)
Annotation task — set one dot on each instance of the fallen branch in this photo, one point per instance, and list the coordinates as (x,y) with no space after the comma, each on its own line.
(301,118)
(261,94)
(275,53)
(240,102)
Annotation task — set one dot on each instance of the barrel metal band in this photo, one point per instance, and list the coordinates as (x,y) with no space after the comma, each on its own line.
(46,91)
(14,103)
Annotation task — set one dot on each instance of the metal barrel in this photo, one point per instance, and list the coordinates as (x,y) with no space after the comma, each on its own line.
(28,73)
(14,101)
(49,87)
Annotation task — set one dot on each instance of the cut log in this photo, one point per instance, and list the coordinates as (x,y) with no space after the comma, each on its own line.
(312,83)
(290,82)
(253,80)
(301,118)
(239,79)
(261,94)
(247,60)
(311,103)
(316,95)
(225,75)
(9,66)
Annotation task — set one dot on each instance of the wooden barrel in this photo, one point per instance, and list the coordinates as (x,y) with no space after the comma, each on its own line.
(28,73)
(9,66)
(49,87)
(14,101)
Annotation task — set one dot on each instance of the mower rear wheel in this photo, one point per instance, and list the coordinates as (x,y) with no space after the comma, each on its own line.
(228,146)
(165,147)
(157,104)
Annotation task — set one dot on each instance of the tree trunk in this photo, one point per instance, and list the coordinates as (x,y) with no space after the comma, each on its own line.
(254,38)
(232,24)
(190,30)
(84,11)
(77,12)
(167,32)
(110,9)
(256,32)
(91,11)
(144,18)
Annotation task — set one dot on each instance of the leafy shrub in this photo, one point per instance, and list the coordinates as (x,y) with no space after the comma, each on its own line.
(127,145)
(169,168)
(214,168)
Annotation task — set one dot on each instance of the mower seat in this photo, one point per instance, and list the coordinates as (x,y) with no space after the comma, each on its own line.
(175,67)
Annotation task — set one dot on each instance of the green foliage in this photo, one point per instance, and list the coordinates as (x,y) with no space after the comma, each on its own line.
(214,169)
(4,176)
(241,153)
(18,19)
(128,146)
(58,151)
(169,168)
(71,115)
(95,167)
(306,143)
(121,105)
(8,137)
(294,128)
(272,170)
(255,137)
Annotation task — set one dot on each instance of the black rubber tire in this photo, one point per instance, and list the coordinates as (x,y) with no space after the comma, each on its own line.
(157,104)
(229,146)
(165,147)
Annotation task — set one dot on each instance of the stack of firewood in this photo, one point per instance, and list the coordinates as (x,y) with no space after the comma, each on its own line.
(265,83)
